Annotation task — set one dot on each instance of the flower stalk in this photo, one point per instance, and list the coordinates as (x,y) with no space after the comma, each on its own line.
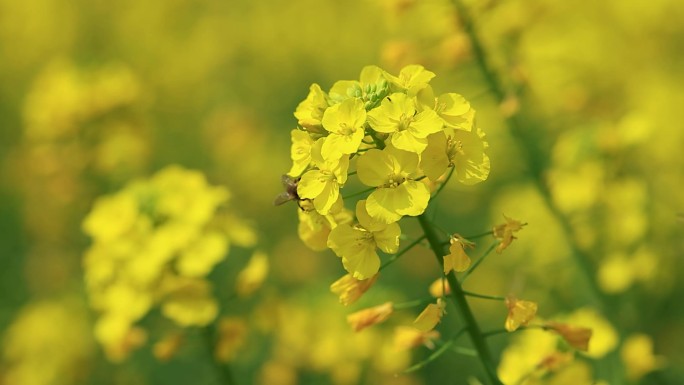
(459,298)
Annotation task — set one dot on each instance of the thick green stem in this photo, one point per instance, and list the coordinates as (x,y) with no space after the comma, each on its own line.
(458,295)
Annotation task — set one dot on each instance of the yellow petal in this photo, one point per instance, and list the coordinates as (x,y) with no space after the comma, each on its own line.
(374,166)
(253,275)
(405,140)
(457,259)
(382,203)
(364,264)
(520,313)
(388,239)
(430,317)
(416,194)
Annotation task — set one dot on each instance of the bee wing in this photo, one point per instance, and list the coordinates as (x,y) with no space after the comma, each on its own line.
(282,198)
(287,180)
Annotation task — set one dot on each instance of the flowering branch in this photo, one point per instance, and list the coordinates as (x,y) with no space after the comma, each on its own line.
(458,296)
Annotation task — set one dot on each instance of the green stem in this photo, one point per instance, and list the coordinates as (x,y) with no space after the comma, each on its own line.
(223,369)
(458,296)
(479,261)
(465,351)
(402,252)
(378,142)
(430,358)
(484,296)
(436,354)
(439,189)
(351,173)
(411,304)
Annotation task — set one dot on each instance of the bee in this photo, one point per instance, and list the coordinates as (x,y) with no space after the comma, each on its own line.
(290,193)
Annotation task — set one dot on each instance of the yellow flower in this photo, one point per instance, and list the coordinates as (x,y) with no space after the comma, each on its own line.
(350,289)
(118,337)
(407,337)
(345,122)
(46,343)
(111,217)
(430,317)
(185,195)
(411,78)
(459,148)
(393,172)
(309,113)
(520,313)
(457,260)
(314,228)
(371,316)
(190,303)
(322,185)
(577,337)
(371,88)
(253,275)
(126,301)
(300,152)
(453,108)
(604,337)
(200,257)
(637,355)
(409,129)
(504,232)
(528,352)
(356,244)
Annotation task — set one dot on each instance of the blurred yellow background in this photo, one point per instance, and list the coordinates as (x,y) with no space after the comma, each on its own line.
(95,94)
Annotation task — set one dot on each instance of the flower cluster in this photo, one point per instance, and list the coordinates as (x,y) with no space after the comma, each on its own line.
(397,135)
(154,243)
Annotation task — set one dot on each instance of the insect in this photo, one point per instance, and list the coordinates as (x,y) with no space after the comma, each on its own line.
(290,193)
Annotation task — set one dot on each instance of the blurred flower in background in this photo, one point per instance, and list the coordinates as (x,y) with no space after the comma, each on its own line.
(97,96)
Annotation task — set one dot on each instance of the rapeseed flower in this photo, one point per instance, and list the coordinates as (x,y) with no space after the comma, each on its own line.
(462,149)
(430,316)
(371,88)
(370,316)
(309,113)
(409,128)
(154,244)
(398,193)
(411,79)
(345,123)
(408,337)
(350,289)
(504,232)
(356,244)
(322,185)
(300,152)
(575,336)
(253,275)
(520,313)
(314,228)
(637,354)
(457,259)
